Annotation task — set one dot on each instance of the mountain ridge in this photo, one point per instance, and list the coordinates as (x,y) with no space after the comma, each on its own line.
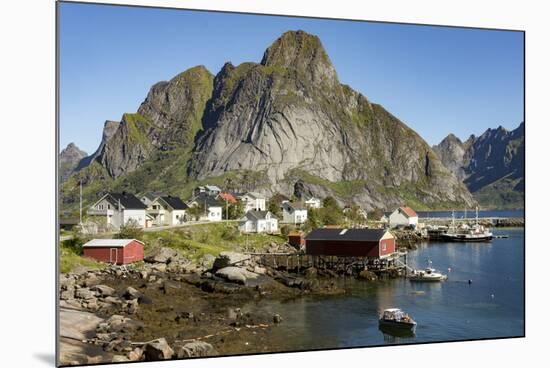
(287,122)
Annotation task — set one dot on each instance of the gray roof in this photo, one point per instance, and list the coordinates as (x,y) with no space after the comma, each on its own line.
(296,205)
(174,202)
(258,215)
(126,200)
(346,234)
(255,195)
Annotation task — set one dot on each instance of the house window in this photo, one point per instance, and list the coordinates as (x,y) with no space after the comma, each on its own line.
(177,216)
(383,247)
(108,206)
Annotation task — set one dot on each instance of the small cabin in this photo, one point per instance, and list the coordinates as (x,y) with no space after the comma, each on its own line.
(369,243)
(116,251)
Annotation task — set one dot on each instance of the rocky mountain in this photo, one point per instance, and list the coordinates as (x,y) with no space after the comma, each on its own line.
(109,129)
(284,125)
(491,165)
(69,158)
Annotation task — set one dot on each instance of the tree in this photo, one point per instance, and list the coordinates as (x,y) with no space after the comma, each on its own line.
(235,210)
(274,205)
(130,230)
(330,202)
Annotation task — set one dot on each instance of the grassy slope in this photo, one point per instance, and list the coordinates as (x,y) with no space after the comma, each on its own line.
(501,195)
(192,241)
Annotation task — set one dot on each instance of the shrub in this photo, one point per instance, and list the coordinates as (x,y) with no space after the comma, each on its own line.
(130,230)
(230,233)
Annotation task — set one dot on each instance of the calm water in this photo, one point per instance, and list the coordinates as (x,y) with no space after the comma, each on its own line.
(472,213)
(492,306)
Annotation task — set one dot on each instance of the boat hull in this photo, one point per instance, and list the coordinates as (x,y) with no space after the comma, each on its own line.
(404,326)
(466,239)
(424,279)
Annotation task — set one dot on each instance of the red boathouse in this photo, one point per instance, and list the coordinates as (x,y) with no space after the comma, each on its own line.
(117,251)
(369,243)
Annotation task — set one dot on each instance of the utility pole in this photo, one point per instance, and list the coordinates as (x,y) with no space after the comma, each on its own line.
(80,201)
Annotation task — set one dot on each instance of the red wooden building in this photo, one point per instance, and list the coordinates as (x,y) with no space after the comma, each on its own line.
(117,251)
(296,239)
(369,243)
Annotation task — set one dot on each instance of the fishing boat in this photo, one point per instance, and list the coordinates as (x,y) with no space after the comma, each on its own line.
(427,275)
(467,233)
(395,318)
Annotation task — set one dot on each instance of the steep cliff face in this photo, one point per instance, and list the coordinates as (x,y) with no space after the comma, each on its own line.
(290,117)
(451,151)
(109,129)
(169,118)
(69,158)
(491,165)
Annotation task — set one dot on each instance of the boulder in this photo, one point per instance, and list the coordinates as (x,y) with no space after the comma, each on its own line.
(226,259)
(84,293)
(120,358)
(159,267)
(103,290)
(131,293)
(158,350)
(196,349)
(90,281)
(207,260)
(367,275)
(161,255)
(236,274)
(277,318)
(135,355)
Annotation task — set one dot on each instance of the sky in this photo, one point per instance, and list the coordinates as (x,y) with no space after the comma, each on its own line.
(437,80)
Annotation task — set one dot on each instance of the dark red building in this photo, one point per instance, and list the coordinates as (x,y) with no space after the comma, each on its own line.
(370,243)
(296,239)
(117,251)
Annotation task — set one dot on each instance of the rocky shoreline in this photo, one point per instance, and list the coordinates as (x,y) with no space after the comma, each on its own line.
(170,308)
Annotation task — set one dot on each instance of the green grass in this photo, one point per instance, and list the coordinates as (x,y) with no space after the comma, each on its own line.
(71,259)
(196,241)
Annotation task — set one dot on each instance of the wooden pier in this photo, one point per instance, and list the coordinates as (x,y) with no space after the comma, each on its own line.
(298,262)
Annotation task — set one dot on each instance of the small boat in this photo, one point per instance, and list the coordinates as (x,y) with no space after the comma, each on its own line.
(427,275)
(395,318)
(467,233)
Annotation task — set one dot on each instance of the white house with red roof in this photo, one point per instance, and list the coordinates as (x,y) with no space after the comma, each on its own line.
(403,216)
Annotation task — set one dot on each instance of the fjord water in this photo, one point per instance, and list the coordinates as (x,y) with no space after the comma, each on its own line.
(491,306)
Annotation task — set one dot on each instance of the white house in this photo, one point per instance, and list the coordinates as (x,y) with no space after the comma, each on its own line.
(118,209)
(403,216)
(167,211)
(294,213)
(212,207)
(313,203)
(258,222)
(253,201)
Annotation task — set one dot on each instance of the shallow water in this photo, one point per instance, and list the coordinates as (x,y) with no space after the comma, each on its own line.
(491,306)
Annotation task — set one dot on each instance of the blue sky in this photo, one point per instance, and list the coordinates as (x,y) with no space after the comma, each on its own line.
(437,80)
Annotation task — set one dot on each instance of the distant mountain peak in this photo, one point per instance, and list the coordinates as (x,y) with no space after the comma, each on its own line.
(303,52)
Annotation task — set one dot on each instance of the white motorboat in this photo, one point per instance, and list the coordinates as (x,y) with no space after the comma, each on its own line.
(427,275)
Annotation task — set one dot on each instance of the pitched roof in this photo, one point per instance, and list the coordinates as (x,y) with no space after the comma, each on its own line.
(258,215)
(255,195)
(175,202)
(204,198)
(346,234)
(226,196)
(115,243)
(126,200)
(213,188)
(296,205)
(409,212)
